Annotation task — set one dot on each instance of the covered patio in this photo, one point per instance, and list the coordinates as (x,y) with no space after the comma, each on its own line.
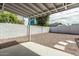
(38,43)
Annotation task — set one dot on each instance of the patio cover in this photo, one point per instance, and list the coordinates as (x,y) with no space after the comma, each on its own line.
(36,9)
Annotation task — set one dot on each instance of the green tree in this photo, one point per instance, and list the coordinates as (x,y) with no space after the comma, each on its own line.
(42,21)
(7,17)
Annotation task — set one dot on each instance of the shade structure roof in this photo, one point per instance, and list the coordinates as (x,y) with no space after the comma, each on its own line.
(36,9)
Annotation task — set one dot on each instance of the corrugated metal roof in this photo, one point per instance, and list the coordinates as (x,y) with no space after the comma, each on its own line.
(37,9)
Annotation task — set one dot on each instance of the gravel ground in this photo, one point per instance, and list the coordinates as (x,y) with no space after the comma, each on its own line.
(53,39)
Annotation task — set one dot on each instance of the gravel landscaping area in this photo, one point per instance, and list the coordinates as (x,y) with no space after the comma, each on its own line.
(63,42)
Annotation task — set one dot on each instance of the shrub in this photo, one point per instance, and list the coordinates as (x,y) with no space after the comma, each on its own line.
(7,17)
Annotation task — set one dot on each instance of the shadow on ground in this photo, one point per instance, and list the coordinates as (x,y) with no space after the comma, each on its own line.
(15,49)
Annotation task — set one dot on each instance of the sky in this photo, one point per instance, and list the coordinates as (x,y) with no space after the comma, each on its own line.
(66,17)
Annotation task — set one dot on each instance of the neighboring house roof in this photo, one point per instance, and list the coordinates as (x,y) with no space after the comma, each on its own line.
(55,24)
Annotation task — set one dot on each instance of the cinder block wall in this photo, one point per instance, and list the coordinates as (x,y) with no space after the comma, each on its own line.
(73,29)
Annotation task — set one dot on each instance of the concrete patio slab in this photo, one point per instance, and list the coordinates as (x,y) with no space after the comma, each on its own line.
(63,43)
(17,50)
(31,49)
(59,47)
(43,50)
(69,41)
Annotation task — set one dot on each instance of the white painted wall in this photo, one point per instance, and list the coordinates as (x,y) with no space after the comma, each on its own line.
(8,30)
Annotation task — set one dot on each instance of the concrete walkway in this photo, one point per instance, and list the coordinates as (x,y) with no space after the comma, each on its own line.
(31,49)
